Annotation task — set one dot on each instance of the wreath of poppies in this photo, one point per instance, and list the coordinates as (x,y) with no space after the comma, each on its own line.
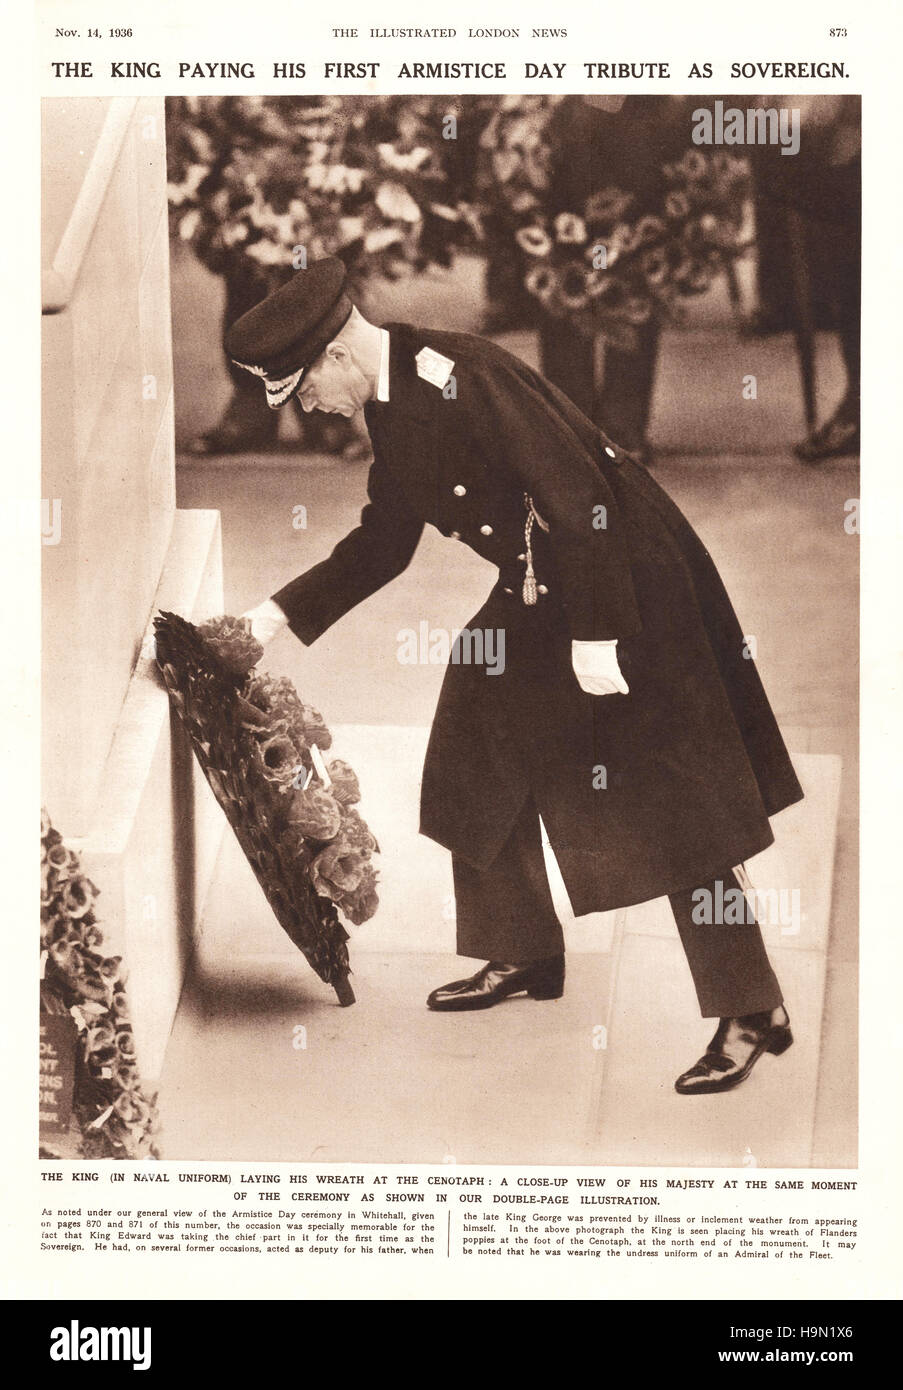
(603,266)
(294,814)
(115,1115)
(252,179)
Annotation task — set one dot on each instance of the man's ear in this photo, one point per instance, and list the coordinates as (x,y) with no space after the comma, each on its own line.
(338,351)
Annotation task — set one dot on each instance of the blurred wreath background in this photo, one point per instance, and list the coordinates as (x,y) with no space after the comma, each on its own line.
(259,186)
(596,219)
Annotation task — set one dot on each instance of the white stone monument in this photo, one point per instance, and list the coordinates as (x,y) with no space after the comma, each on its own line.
(117,777)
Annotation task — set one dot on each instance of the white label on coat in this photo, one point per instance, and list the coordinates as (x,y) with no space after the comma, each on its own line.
(433,367)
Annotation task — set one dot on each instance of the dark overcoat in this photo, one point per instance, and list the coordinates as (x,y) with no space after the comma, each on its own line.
(641,794)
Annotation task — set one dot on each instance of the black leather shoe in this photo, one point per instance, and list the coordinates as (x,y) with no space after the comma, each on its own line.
(542,979)
(734,1050)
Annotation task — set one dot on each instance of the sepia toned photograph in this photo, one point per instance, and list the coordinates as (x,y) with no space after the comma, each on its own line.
(450,572)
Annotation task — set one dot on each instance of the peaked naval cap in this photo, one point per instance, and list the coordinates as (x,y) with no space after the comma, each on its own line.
(283,335)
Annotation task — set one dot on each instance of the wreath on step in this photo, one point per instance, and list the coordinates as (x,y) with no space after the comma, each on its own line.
(112,1115)
(294,814)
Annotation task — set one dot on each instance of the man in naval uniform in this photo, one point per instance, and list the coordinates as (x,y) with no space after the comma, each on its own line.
(628,716)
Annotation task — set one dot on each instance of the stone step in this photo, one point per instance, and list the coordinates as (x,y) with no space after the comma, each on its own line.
(385,1081)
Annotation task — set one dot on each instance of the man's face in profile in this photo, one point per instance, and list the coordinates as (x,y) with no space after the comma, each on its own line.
(334,384)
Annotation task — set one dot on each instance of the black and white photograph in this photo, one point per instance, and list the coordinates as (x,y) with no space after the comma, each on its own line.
(450,551)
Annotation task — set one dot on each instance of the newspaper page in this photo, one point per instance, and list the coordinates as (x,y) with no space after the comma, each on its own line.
(439,678)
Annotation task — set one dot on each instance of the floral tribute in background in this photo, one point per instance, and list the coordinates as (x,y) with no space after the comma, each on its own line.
(379,182)
(115,1117)
(603,266)
(253,178)
(260,747)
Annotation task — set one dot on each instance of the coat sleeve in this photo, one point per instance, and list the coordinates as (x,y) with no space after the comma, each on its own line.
(376,551)
(569,489)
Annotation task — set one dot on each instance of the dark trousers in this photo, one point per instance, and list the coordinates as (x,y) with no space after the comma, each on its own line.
(505,913)
(622,406)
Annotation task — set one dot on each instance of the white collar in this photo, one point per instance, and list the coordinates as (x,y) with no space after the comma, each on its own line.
(382,381)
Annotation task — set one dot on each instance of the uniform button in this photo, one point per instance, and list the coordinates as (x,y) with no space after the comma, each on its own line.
(508,591)
(541,589)
(522,557)
(456,535)
(610,452)
(460,490)
(485,530)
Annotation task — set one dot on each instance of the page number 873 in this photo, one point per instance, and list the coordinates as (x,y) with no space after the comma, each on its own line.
(837,33)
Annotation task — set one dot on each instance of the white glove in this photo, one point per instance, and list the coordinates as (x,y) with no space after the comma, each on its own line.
(596,668)
(266,620)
